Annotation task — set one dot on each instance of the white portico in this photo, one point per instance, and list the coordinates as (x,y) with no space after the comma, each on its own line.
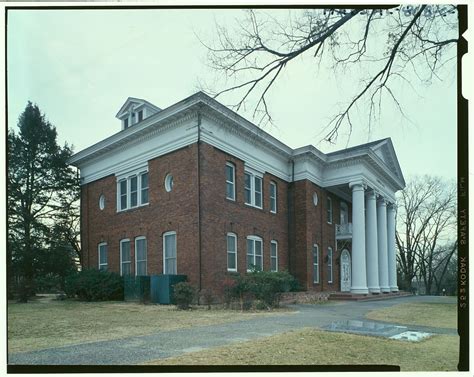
(369,176)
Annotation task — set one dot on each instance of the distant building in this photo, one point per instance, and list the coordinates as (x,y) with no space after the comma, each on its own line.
(196,189)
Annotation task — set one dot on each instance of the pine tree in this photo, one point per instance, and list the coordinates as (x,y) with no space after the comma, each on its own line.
(41,186)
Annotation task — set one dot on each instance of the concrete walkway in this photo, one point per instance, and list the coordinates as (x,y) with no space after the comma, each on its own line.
(136,350)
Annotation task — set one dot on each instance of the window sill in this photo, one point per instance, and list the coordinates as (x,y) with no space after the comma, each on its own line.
(133,208)
(253,206)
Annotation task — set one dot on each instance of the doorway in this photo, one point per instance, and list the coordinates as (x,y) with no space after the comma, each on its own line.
(345,271)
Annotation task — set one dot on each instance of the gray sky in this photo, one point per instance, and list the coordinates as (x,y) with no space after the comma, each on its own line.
(79,66)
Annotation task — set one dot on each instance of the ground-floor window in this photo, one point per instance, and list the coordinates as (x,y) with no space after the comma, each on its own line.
(169,253)
(315,264)
(125,261)
(102,249)
(254,253)
(140,256)
(329,264)
(231,252)
(274,256)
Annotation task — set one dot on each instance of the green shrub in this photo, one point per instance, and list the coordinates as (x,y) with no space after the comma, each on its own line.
(264,286)
(183,294)
(94,285)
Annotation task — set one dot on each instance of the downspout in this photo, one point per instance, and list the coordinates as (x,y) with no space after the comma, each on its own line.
(199,198)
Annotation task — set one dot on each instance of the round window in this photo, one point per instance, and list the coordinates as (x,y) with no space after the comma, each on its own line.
(102,201)
(315,199)
(169,182)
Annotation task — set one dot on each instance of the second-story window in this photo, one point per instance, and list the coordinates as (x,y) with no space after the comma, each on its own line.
(273,197)
(132,191)
(230,181)
(329,210)
(253,190)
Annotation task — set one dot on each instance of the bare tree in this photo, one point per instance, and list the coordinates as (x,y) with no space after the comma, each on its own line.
(389,43)
(426,228)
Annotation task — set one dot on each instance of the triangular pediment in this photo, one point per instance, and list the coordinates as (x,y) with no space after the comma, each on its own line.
(133,103)
(386,153)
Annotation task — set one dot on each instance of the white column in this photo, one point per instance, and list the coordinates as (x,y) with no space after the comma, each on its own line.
(372,259)
(382,245)
(392,254)
(359,277)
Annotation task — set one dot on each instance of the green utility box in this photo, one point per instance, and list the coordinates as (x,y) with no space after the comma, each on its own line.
(136,288)
(161,287)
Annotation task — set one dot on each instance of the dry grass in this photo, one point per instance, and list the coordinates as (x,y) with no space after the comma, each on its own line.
(45,323)
(423,314)
(315,347)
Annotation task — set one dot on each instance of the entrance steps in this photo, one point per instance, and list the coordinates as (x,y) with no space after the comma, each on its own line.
(347,296)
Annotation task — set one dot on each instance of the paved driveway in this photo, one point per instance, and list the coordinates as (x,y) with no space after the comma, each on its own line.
(136,350)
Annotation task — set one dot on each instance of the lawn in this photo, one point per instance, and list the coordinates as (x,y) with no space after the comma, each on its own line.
(423,314)
(48,323)
(315,347)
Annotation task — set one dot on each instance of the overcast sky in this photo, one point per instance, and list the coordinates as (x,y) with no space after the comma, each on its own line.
(79,67)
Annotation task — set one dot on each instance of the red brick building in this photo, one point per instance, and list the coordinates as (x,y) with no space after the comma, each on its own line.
(196,189)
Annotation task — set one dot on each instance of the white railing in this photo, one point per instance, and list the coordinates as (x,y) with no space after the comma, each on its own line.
(343,231)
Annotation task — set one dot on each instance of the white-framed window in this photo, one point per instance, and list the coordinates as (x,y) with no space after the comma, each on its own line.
(140,256)
(273,197)
(329,210)
(315,264)
(273,255)
(230,181)
(329,264)
(254,253)
(102,250)
(253,189)
(132,191)
(144,188)
(169,253)
(125,260)
(231,252)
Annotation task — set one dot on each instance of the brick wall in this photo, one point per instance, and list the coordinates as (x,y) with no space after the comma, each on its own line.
(221,215)
(178,211)
(166,211)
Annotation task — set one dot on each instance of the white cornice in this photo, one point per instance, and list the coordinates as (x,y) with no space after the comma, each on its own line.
(255,147)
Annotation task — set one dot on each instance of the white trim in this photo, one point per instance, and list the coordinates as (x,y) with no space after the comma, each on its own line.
(330,264)
(275,198)
(254,239)
(138,175)
(106,255)
(230,234)
(170,233)
(142,260)
(232,166)
(253,192)
(315,278)
(120,251)
(274,242)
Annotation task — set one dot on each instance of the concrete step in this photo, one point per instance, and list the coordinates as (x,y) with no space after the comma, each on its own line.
(347,296)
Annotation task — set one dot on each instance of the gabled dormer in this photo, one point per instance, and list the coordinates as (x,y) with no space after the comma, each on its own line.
(134,110)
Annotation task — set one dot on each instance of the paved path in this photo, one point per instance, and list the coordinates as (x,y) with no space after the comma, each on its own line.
(139,349)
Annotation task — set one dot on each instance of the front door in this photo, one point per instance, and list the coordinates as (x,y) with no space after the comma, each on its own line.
(345,271)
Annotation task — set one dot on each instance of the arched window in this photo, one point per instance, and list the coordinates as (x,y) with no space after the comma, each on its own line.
(140,256)
(273,255)
(254,253)
(315,264)
(169,253)
(231,252)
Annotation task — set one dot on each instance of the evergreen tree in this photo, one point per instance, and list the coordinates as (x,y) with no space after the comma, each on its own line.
(41,187)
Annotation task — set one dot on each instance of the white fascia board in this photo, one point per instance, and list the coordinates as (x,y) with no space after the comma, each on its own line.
(310,169)
(147,125)
(137,154)
(244,147)
(243,123)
